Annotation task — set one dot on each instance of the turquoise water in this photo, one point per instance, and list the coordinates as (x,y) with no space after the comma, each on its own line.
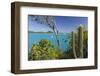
(33,38)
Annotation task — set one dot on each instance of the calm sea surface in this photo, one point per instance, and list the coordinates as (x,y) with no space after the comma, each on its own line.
(33,38)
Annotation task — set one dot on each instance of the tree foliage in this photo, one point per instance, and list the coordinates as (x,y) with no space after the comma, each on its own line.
(44,50)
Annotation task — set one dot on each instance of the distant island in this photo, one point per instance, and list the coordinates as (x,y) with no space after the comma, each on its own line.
(48,32)
(40,32)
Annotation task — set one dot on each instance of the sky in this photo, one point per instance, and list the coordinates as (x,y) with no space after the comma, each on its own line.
(64,24)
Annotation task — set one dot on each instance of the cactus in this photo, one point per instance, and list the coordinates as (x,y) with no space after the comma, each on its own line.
(73,44)
(80,40)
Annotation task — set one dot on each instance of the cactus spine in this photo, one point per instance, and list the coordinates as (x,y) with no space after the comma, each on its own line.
(73,44)
(80,40)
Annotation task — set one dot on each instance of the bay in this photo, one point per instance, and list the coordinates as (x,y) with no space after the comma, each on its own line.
(34,38)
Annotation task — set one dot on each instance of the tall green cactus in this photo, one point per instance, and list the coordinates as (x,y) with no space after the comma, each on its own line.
(80,40)
(73,44)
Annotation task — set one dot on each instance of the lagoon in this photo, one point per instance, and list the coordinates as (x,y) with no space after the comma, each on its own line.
(34,38)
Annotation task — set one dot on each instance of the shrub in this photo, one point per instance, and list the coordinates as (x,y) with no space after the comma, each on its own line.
(44,50)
